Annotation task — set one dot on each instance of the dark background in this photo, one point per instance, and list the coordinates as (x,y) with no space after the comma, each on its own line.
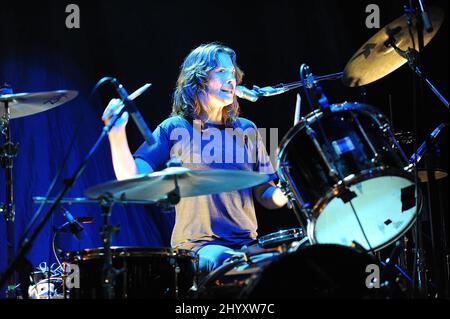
(143,41)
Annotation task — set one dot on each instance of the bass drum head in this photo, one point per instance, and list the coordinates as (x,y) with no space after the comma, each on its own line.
(320,271)
(385,209)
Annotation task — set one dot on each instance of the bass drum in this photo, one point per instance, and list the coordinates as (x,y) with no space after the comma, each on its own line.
(316,271)
(348,177)
(156,273)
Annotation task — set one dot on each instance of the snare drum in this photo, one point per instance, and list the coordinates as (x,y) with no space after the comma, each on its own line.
(283,237)
(346,174)
(145,272)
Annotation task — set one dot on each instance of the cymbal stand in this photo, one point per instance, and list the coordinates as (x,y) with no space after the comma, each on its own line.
(413,58)
(411,55)
(109,272)
(7,152)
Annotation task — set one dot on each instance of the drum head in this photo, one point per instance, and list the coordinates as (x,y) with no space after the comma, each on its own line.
(384,208)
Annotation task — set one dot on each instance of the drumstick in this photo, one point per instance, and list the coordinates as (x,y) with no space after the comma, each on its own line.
(139,91)
(297,109)
(135,94)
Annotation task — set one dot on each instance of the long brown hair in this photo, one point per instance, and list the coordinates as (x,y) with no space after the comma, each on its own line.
(192,80)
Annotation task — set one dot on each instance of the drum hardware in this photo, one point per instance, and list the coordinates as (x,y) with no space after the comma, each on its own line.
(34,102)
(15,106)
(107,230)
(387,50)
(417,156)
(7,152)
(411,55)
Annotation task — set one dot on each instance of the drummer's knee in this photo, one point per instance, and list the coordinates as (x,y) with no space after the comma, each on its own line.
(212,256)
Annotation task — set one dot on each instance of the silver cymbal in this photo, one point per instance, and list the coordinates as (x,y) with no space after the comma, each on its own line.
(155,186)
(24,104)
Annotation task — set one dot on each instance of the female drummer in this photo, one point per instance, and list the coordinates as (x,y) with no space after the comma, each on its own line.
(204,102)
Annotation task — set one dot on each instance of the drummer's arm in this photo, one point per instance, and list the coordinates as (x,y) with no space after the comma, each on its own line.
(125,166)
(270,196)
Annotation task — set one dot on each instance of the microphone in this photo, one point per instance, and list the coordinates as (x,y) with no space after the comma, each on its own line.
(425,16)
(73,226)
(253,95)
(134,112)
(246,94)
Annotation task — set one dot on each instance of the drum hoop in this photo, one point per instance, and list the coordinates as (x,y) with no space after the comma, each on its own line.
(381,171)
(285,234)
(121,252)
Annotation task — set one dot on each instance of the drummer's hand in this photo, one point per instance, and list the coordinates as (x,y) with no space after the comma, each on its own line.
(114,107)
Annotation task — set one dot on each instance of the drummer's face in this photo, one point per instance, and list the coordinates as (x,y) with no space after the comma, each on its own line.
(221,83)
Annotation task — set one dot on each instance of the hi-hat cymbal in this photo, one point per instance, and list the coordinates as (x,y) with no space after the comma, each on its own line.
(375,60)
(155,186)
(24,104)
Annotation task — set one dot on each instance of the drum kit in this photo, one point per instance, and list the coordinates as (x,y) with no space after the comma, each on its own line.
(350,184)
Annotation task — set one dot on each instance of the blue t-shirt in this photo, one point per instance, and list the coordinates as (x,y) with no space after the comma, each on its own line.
(226,218)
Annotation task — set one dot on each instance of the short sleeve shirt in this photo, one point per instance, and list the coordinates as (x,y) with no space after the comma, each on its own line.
(227,218)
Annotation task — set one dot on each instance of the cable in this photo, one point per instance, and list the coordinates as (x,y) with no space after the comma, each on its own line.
(54,250)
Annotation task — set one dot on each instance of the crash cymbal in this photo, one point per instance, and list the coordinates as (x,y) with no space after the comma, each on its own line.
(375,60)
(155,186)
(24,104)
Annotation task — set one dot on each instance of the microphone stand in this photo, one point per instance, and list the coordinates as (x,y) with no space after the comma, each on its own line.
(308,81)
(27,242)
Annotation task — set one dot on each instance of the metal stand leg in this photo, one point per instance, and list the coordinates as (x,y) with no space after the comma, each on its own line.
(109,272)
(7,152)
